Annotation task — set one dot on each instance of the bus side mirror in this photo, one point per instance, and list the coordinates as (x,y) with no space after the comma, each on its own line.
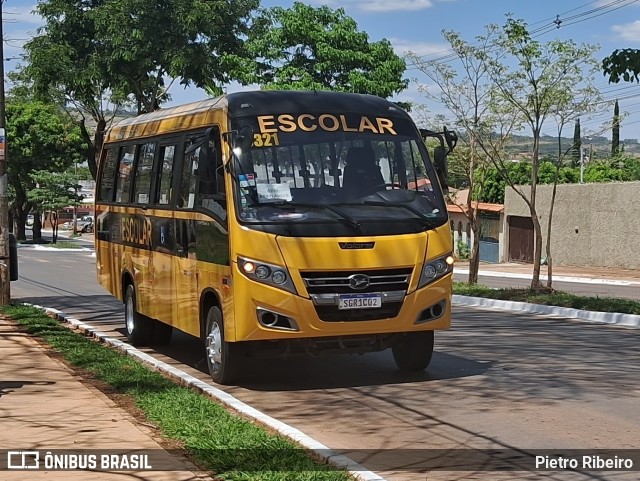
(442,169)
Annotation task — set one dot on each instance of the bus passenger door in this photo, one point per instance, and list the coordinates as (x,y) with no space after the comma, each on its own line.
(185,307)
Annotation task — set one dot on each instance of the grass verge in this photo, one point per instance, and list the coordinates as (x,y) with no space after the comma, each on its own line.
(557,298)
(218,441)
(63,244)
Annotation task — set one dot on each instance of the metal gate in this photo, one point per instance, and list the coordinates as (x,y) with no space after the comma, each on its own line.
(521,239)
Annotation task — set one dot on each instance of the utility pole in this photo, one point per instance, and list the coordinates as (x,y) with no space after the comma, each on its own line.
(5,283)
(582,155)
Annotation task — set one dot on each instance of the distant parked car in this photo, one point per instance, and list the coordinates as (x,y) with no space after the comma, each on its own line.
(87,228)
(84,224)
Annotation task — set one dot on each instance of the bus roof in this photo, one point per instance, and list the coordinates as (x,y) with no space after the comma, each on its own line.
(294,101)
(199,114)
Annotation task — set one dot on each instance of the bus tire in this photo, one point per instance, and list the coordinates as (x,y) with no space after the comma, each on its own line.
(413,351)
(138,326)
(161,333)
(223,358)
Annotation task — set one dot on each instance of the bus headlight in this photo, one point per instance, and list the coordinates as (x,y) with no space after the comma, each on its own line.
(435,269)
(273,275)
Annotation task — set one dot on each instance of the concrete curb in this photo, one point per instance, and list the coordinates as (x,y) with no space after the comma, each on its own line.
(627,320)
(576,279)
(319,450)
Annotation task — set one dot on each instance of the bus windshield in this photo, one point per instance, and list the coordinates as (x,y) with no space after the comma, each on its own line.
(335,167)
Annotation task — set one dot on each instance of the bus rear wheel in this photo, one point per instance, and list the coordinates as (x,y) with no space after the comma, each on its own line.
(223,358)
(139,327)
(413,351)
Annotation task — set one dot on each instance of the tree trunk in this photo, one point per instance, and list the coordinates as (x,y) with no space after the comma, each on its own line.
(537,252)
(18,222)
(553,201)
(474,258)
(36,229)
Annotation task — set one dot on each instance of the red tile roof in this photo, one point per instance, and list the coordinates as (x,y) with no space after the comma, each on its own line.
(481,206)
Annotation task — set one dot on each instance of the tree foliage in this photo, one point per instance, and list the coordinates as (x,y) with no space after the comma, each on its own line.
(620,168)
(577,144)
(622,64)
(537,80)
(97,56)
(307,48)
(615,131)
(466,93)
(53,191)
(41,138)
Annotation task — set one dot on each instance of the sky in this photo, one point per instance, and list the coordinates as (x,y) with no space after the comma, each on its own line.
(417,25)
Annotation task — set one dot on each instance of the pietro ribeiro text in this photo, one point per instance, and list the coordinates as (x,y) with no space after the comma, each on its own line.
(592,462)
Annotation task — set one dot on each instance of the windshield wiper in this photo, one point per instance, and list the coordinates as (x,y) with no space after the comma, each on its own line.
(343,216)
(413,210)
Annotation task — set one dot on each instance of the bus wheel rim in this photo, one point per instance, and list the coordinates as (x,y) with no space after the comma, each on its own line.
(129,316)
(214,347)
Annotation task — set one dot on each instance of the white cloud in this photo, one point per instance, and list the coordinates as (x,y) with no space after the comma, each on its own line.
(629,32)
(394,5)
(402,46)
(377,5)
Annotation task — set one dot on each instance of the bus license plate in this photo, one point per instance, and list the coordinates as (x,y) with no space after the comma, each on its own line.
(360,301)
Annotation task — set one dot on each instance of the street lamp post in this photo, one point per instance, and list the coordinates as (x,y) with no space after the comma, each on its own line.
(5,290)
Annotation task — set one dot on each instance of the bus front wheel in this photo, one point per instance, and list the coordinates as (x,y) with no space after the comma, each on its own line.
(413,351)
(223,358)
(138,326)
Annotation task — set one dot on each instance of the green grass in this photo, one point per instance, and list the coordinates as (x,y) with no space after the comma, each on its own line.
(66,245)
(223,443)
(557,298)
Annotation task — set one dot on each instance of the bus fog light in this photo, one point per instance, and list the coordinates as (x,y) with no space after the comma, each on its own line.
(279,277)
(262,272)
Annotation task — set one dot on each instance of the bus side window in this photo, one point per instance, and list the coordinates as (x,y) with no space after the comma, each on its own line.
(167,156)
(211,180)
(142,176)
(107,180)
(123,185)
(189,180)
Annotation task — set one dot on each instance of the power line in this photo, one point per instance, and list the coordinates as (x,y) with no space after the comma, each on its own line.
(548,27)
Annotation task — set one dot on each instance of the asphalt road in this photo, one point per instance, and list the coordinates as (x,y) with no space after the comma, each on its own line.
(498,380)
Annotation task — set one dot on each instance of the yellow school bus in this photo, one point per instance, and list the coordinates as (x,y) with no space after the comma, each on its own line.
(275,223)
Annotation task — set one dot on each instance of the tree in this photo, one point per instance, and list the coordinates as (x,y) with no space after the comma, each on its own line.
(533,80)
(615,132)
(42,138)
(622,64)
(94,57)
(577,144)
(466,94)
(53,191)
(307,48)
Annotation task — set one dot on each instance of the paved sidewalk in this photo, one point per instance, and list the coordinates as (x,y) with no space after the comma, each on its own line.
(45,406)
(567,273)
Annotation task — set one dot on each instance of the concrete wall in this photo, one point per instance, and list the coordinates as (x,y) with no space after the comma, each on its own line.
(593,224)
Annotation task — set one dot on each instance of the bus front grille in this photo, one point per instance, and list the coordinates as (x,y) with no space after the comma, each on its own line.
(339,282)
